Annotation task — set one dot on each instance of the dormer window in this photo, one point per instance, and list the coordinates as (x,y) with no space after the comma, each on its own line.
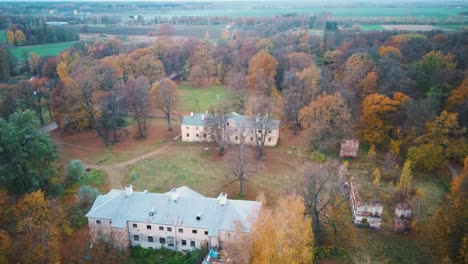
(198,218)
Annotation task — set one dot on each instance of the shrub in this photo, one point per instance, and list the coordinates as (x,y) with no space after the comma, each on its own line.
(318,156)
(75,170)
(86,196)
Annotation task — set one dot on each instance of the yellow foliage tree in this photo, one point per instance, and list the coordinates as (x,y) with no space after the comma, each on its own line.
(377,176)
(38,226)
(20,38)
(11,37)
(406,178)
(386,50)
(311,78)
(274,229)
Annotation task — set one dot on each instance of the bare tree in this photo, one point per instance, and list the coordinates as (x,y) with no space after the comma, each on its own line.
(320,189)
(166,98)
(238,163)
(237,85)
(262,123)
(216,123)
(137,95)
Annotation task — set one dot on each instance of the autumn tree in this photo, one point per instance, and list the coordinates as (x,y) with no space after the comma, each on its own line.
(449,221)
(321,191)
(406,178)
(262,123)
(11,37)
(329,117)
(20,38)
(112,109)
(137,96)
(274,228)
(27,156)
(295,97)
(166,29)
(443,138)
(201,65)
(458,102)
(166,98)
(216,125)
(35,95)
(39,226)
(377,113)
(237,86)
(238,163)
(150,67)
(262,72)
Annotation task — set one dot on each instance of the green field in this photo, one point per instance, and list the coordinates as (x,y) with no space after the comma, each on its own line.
(191,165)
(256,11)
(371,27)
(42,50)
(200,99)
(452,27)
(3,36)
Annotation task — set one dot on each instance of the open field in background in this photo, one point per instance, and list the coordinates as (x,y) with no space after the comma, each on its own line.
(257,10)
(52,49)
(199,99)
(3,37)
(371,27)
(453,27)
(95,179)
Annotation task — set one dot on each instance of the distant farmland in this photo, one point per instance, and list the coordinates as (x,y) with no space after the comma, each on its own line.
(42,50)
(256,11)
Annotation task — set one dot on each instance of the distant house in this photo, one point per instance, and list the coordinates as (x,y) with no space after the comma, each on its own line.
(180,219)
(194,129)
(349,148)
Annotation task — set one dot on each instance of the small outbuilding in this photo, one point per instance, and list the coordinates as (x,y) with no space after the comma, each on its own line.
(402,217)
(349,148)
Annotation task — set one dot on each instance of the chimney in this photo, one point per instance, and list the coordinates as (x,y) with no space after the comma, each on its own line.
(203,117)
(222,198)
(191,113)
(174,195)
(128,190)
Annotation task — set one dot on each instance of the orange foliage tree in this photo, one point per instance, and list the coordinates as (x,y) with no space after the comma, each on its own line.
(262,72)
(377,111)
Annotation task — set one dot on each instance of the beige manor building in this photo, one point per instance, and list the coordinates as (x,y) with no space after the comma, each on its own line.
(180,219)
(194,129)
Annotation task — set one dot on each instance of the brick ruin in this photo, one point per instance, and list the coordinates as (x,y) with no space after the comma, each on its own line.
(364,212)
(402,217)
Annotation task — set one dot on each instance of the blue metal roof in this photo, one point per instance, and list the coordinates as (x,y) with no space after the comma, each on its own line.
(120,208)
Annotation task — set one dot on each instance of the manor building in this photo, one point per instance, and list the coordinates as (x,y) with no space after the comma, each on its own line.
(180,219)
(195,128)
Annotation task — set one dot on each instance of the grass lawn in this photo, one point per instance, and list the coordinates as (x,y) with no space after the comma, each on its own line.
(3,36)
(202,170)
(95,179)
(453,27)
(52,49)
(371,27)
(199,99)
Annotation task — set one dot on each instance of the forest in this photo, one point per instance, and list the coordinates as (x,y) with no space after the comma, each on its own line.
(404,95)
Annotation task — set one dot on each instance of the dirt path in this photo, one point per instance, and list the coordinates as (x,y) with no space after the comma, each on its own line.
(116,171)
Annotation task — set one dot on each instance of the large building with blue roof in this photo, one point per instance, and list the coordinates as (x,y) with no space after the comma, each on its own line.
(180,219)
(194,128)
